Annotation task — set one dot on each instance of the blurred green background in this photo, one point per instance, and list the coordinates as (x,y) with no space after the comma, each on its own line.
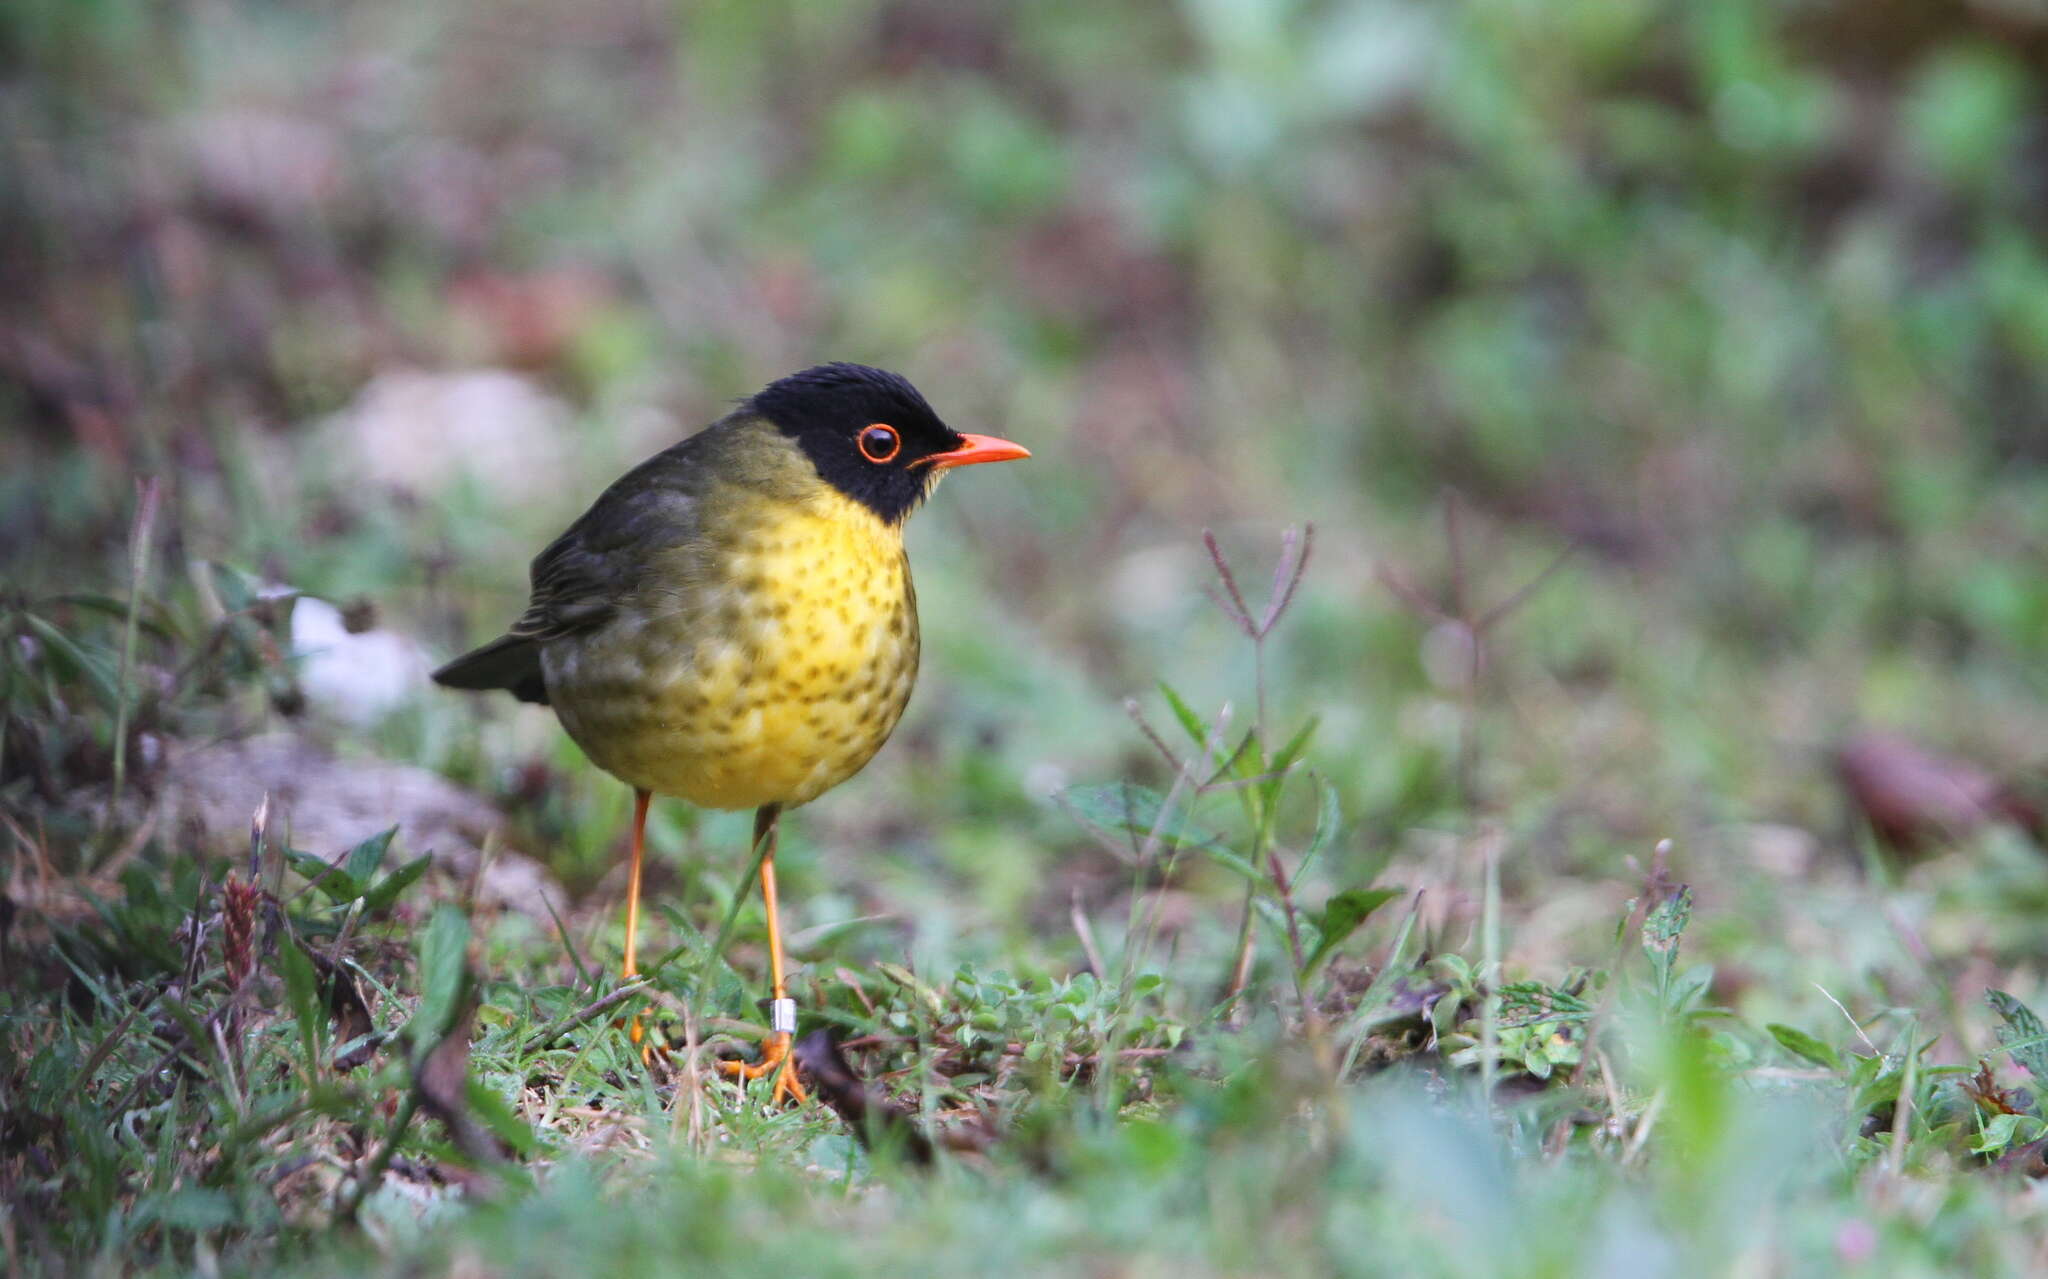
(1741,305)
(1663,380)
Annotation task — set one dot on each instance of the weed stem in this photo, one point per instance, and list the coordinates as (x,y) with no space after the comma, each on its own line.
(140,534)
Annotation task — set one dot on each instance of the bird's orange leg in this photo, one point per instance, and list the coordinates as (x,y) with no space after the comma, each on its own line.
(640,798)
(775,1054)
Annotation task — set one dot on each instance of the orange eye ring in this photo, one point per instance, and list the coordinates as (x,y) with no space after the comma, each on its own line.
(879,443)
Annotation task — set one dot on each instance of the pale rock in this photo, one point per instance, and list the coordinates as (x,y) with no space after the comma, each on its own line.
(356,677)
(326,805)
(423,433)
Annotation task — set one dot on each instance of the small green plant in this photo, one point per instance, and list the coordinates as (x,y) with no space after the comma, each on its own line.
(1538,1027)
(1154,829)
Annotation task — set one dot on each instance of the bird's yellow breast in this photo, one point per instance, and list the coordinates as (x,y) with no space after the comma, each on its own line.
(764,663)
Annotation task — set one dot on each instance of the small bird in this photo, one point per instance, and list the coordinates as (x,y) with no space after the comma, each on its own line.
(732,622)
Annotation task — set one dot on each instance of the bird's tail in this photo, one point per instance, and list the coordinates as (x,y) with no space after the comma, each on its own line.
(510,662)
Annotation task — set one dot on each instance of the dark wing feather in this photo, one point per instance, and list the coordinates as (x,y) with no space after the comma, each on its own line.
(509,662)
(582,577)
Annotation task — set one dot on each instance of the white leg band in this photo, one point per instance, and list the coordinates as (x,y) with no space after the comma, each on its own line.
(782,1016)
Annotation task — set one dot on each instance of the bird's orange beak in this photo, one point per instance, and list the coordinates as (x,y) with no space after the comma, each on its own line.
(976,449)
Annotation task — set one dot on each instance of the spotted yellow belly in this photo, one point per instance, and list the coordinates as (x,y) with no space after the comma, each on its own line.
(763,665)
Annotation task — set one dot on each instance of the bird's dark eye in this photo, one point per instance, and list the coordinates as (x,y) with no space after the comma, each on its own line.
(880,443)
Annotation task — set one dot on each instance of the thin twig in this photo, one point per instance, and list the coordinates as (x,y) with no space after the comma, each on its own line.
(1137,714)
(1853,1023)
(1472,625)
(1454,541)
(567,944)
(1238,611)
(1288,572)
(1086,932)
(1407,593)
(1507,607)
(1285,890)
(594,1009)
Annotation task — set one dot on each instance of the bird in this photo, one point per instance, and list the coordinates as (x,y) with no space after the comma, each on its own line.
(732,623)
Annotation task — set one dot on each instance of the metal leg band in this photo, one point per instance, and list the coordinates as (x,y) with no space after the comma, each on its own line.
(782,1016)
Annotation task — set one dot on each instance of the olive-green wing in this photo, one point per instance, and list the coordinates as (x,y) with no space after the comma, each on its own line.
(582,577)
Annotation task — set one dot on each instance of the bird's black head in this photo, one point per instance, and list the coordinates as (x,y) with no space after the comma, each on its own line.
(871,435)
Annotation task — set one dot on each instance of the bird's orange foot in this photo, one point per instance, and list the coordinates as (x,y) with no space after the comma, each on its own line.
(638,1034)
(775,1056)
(647,1046)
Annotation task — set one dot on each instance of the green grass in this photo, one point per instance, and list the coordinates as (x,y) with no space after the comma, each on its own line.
(1662,382)
(377,1071)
